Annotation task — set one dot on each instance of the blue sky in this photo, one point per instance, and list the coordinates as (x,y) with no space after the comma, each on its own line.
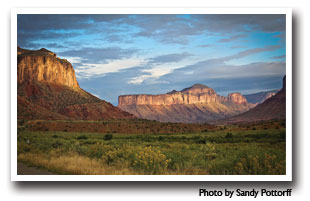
(151,54)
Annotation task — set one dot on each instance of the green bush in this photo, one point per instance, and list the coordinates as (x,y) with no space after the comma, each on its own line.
(108,137)
(57,144)
(82,137)
(283,135)
(201,141)
(228,135)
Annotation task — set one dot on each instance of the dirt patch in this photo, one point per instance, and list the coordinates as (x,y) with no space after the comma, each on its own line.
(23,169)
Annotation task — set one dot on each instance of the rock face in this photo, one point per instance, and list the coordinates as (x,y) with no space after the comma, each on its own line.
(197,103)
(197,94)
(272,108)
(186,96)
(47,89)
(43,66)
(237,98)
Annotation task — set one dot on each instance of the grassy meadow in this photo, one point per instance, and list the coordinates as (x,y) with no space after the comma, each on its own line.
(177,149)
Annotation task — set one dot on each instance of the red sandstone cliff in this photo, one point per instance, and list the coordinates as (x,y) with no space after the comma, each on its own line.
(198,103)
(47,89)
(43,66)
(196,94)
(236,98)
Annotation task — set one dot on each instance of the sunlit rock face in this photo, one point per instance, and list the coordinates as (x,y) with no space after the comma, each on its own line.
(197,103)
(198,93)
(44,66)
(236,98)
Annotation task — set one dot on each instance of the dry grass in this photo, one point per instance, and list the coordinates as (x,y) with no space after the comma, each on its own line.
(72,163)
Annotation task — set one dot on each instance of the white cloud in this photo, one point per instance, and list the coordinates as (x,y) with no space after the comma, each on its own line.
(189,72)
(153,73)
(88,70)
(139,80)
(74,59)
(158,70)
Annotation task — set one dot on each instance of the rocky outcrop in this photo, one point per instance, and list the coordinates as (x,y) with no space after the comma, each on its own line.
(197,94)
(47,89)
(197,103)
(236,98)
(43,66)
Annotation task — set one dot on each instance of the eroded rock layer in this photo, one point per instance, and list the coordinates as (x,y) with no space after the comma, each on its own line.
(197,103)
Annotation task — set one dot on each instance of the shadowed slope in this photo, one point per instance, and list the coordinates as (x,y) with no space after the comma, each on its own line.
(272,108)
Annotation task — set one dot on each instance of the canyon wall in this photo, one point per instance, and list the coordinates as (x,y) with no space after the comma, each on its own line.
(196,104)
(43,66)
(197,94)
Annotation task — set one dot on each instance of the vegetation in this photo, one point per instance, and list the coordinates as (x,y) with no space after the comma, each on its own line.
(235,150)
(126,126)
(108,137)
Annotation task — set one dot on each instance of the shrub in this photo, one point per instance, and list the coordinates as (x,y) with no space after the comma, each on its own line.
(267,164)
(210,151)
(82,137)
(201,141)
(150,160)
(57,144)
(22,122)
(108,137)
(228,135)
(283,135)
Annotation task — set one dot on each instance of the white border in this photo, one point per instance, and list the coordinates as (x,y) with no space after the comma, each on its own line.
(287,177)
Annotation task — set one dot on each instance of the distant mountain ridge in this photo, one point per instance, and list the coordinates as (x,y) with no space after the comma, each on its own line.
(271,108)
(260,97)
(47,89)
(194,104)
